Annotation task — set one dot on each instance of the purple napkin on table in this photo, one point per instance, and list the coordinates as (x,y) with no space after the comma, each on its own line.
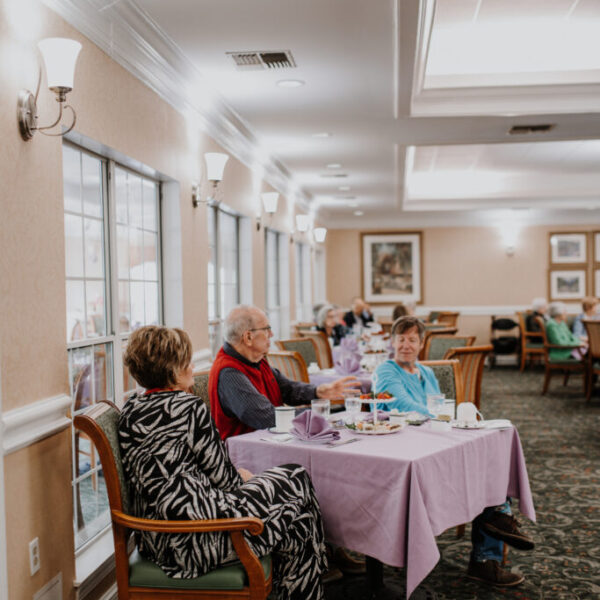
(349,344)
(347,364)
(310,426)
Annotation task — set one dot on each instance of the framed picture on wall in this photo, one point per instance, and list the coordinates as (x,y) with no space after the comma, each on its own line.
(392,267)
(568,248)
(567,284)
(597,247)
(597,283)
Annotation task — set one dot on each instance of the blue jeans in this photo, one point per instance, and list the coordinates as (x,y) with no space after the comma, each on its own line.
(486,547)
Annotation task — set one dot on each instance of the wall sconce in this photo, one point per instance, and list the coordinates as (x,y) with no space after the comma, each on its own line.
(319,233)
(60,56)
(302,222)
(270,201)
(215,165)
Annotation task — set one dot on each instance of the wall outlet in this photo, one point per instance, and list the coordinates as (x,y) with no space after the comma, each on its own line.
(34,556)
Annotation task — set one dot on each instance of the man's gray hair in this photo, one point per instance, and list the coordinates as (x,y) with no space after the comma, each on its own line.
(323,312)
(238,321)
(557,308)
(538,303)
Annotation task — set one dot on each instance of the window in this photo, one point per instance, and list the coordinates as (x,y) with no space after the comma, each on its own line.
(303,283)
(227,255)
(112,268)
(320,294)
(277,282)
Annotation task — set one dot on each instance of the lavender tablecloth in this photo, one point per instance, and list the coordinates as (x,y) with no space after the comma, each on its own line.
(389,496)
(329,375)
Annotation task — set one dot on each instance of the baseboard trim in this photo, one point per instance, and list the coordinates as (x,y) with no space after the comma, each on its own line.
(28,424)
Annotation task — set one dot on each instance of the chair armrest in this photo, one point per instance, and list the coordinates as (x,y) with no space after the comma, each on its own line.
(535,334)
(565,346)
(253,524)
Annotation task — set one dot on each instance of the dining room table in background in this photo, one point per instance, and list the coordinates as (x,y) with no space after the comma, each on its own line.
(389,496)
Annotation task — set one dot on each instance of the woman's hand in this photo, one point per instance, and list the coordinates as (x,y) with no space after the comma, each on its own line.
(339,388)
(245,474)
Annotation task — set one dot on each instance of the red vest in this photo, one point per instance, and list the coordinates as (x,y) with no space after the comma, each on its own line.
(262,379)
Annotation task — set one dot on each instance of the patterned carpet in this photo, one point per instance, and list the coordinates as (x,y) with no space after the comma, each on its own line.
(560,435)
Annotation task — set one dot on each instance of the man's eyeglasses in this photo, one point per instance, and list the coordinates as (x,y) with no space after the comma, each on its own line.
(267,328)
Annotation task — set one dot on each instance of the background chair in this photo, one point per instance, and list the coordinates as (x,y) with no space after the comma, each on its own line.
(530,346)
(431,332)
(437,345)
(448,318)
(566,366)
(305,346)
(593,354)
(297,328)
(291,364)
(139,579)
(324,356)
(505,338)
(432,316)
(449,376)
(472,361)
(200,387)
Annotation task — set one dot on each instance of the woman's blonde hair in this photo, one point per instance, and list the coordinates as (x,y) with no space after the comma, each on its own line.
(155,355)
(588,303)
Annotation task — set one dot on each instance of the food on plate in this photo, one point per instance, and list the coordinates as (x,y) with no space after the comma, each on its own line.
(369,427)
(446,418)
(373,396)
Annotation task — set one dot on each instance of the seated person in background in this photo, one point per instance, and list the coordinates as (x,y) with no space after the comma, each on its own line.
(243,388)
(539,308)
(399,311)
(177,468)
(590,312)
(558,332)
(327,322)
(410,383)
(359,314)
(316,308)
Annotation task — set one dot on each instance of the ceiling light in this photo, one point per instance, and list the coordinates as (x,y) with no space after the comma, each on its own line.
(353,204)
(344,188)
(334,166)
(321,135)
(290,83)
(358,213)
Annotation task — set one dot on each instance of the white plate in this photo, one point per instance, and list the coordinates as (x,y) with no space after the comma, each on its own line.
(378,432)
(275,430)
(464,425)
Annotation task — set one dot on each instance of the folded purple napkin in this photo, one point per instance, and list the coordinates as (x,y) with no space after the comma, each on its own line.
(346,364)
(349,344)
(310,426)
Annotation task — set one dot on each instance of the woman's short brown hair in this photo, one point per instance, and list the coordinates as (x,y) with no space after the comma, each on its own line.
(588,303)
(399,311)
(403,324)
(155,355)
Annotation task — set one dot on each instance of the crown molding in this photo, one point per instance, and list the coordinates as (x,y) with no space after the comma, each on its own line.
(129,36)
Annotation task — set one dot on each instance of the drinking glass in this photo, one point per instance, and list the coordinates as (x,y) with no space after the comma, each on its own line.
(320,407)
(435,403)
(352,404)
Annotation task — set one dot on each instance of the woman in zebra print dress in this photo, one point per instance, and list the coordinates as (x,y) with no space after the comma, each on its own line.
(177,467)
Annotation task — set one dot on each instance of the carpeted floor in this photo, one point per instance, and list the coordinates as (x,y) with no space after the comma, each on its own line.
(560,435)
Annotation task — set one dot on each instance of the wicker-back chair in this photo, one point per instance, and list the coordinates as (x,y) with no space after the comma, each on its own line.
(324,356)
(291,364)
(306,347)
(140,579)
(472,361)
(448,318)
(438,345)
(449,376)
(297,328)
(200,387)
(432,332)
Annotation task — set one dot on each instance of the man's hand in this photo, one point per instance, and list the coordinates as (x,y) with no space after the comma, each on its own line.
(245,474)
(339,388)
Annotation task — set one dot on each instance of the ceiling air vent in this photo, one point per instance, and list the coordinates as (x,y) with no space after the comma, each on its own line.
(524,129)
(280,59)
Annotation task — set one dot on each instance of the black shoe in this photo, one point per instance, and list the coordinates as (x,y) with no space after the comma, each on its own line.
(506,528)
(333,574)
(490,571)
(347,564)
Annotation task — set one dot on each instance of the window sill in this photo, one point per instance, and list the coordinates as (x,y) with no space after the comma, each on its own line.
(93,562)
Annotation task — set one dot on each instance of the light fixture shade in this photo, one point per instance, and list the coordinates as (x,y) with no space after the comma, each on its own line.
(319,233)
(302,222)
(60,56)
(215,165)
(270,201)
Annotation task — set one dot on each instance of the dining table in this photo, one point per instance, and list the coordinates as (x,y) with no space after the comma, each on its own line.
(389,496)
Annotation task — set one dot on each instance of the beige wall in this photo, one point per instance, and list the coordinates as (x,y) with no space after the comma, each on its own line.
(462,266)
(116,110)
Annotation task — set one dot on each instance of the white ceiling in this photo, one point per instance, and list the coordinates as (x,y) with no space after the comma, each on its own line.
(418,97)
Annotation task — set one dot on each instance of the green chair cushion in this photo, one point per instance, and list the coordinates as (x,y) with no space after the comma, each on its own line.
(564,361)
(143,573)
(534,346)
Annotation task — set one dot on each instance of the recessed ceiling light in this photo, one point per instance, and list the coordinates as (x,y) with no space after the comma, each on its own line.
(358,213)
(344,188)
(321,134)
(353,204)
(334,166)
(290,83)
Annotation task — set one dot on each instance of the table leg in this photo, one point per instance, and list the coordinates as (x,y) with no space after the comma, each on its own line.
(374,573)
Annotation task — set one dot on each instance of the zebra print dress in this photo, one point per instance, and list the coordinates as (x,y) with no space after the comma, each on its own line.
(177,467)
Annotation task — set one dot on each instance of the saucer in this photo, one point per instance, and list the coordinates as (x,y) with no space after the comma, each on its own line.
(275,430)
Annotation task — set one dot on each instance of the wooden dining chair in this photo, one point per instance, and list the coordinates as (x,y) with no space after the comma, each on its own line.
(324,355)
(437,345)
(200,387)
(290,364)
(593,354)
(448,318)
(305,346)
(432,332)
(472,361)
(531,347)
(449,376)
(297,328)
(566,366)
(140,579)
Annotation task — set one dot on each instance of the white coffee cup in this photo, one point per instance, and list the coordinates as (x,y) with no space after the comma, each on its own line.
(284,415)
(466,412)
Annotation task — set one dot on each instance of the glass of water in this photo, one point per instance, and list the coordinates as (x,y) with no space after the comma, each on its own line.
(435,403)
(320,407)
(352,405)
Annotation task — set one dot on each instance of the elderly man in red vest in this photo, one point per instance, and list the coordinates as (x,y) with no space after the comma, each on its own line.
(244,389)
